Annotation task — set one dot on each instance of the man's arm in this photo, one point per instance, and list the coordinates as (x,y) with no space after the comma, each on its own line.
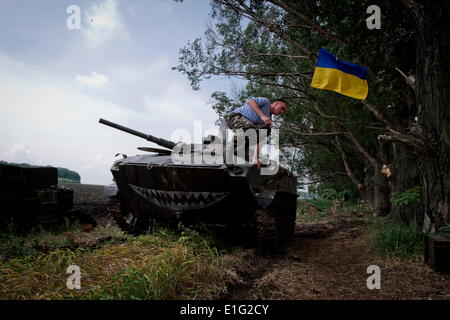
(255,107)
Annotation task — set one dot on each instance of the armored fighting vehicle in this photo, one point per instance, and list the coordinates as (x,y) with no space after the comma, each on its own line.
(236,198)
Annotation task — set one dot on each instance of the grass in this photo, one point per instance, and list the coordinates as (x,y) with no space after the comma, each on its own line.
(161,265)
(319,210)
(14,244)
(386,239)
(390,239)
(313,210)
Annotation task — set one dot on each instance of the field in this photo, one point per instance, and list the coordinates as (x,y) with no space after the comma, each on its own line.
(334,245)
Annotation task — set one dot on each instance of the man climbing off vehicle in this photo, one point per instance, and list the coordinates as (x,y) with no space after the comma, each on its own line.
(256,114)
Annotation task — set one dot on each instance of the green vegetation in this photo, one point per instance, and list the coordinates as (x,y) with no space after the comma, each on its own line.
(70,175)
(409,197)
(261,42)
(161,265)
(63,180)
(391,239)
(15,244)
(321,209)
(324,204)
(333,194)
(445,230)
(313,210)
(333,140)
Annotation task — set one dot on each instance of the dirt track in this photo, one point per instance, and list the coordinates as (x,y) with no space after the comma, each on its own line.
(329,260)
(326,260)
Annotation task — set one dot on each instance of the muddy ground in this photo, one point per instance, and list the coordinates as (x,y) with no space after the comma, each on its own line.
(325,260)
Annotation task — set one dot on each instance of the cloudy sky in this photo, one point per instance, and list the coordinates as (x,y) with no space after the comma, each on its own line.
(56,82)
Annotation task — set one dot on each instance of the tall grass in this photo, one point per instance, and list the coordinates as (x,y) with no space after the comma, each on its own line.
(321,209)
(308,210)
(161,265)
(391,239)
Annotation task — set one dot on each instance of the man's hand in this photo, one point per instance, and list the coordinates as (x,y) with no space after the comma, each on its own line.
(255,107)
(266,119)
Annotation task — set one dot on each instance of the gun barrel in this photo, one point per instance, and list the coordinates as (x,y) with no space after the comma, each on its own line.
(148,137)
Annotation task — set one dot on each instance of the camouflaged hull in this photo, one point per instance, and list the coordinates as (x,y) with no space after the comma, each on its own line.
(236,198)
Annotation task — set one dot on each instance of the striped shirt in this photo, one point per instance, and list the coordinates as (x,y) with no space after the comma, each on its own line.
(247,111)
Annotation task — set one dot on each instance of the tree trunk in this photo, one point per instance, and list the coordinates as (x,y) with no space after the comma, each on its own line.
(382,202)
(433,100)
(405,175)
(376,192)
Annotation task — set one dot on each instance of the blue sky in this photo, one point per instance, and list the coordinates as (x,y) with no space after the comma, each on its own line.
(55,83)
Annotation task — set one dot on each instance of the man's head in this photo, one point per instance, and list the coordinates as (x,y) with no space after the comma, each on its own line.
(278,106)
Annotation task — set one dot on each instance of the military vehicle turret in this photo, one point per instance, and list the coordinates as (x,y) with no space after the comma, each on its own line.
(237,198)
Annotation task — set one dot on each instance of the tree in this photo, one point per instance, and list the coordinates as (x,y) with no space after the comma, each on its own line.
(432,77)
(273,43)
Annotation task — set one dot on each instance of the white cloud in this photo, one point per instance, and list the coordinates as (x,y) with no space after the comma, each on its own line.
(104,23)
(47,120)
(21,153)
(93,169)
(95,80)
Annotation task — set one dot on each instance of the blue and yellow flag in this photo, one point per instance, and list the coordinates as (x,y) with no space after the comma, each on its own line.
(340,76)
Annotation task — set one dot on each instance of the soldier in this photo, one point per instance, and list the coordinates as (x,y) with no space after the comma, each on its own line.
(256,114)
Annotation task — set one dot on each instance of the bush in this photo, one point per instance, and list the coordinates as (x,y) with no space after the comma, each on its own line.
(333,194)
(408,198)
(330,194)
(396,239)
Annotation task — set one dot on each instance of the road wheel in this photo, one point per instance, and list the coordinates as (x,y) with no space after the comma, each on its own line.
(275,226)
(124,217)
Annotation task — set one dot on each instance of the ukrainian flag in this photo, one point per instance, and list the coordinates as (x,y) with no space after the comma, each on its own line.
(340,76)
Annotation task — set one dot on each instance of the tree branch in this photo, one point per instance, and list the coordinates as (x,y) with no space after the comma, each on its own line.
(348,169)
(247,12)
(307,20)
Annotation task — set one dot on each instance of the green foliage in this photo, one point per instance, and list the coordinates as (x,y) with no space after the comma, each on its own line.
(13,246)
(238,44)
(408,198)
(396,239)
(224,105)
(63,180)
(64,173)
(161,265)
(444,229)
(14,243)
(307,210)
(333,194)
(161,280)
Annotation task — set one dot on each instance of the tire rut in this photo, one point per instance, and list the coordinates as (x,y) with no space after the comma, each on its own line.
(262,265)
